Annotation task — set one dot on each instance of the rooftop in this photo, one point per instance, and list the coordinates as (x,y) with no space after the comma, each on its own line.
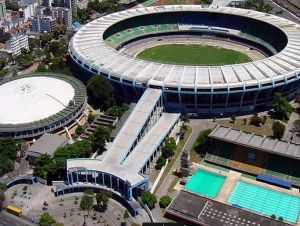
(203,211)
(255,141)
(47,143)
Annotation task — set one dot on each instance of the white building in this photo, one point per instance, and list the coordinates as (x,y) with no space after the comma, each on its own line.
(17,43)
(62,15)
(28,10)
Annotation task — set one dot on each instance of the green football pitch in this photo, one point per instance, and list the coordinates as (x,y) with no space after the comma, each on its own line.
(191,54)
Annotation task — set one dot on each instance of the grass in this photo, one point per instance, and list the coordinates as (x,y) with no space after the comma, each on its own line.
(174,182)
(264,130)
(192,54)
(173,159)
(215,166)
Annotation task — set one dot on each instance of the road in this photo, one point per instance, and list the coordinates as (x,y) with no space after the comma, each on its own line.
(197,125)
(7,219)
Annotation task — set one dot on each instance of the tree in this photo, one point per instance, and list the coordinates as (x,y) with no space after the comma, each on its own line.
(185,119)
(256,120)
(46,220)
(102,198)
(8,154)
(45,38)
(44,166)
(161,161)
(99,138)
(91,118)
(202,141)
(149,199)
(165,201)
(87,200)
(296,125)
(117,111)
(79,130)
(282,108)
(233,118)
(100,92)
(278,129)
(11,5)
(5,37)
(245,121)
(169,147)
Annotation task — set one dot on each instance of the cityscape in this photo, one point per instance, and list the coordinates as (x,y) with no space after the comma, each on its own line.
(149,112)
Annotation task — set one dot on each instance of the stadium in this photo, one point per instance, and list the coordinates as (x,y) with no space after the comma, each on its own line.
(200,87)
(35,104)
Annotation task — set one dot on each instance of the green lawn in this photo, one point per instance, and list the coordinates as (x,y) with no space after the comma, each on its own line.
(264,130)
(192,54)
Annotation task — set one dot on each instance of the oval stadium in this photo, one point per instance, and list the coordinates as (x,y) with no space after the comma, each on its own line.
(111,46)
(35,104)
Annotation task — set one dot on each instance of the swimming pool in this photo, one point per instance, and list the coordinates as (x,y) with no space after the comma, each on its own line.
(205,183)
(265,201)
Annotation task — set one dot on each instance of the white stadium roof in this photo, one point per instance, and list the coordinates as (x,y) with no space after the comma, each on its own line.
(32,99)
(89,47)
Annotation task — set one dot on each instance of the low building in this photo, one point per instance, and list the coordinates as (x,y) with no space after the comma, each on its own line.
(48,143)
(42,24)
(16,44)
(62,15)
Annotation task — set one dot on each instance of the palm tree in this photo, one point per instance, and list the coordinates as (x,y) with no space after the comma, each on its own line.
(185,120)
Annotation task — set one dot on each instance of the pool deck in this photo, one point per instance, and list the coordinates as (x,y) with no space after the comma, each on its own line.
(232,177)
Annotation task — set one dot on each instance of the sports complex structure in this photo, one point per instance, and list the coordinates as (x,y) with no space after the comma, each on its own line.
(199,89)
(34,104)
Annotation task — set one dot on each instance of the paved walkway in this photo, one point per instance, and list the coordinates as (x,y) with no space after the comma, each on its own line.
(197,126)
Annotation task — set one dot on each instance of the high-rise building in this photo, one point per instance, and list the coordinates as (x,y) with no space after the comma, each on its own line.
(16,44)
(62,15)
(42,24)
(70,4)
(2,9)
(47,3)
(28,10)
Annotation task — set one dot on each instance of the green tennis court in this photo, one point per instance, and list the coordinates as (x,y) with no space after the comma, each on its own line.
(205,183)
(265,201)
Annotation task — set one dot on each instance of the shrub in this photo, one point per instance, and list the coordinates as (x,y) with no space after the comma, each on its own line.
(280,218)
(79,130)
(273,216)
(165,201)
(161,161)
(278,129)
(91,118)
(149,199)
(233,118)
(256,120)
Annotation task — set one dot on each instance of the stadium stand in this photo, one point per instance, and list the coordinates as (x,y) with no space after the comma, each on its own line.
(249,153)
(133,27)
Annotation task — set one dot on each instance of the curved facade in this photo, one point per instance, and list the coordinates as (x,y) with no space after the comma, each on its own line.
(39,103)
(194,88)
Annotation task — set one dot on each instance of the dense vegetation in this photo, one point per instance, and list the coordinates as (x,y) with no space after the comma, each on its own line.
(282,108)
(100,92)
(193,54)
(54,167)
(168,150)
(106,6)
(8,154)
(149,199)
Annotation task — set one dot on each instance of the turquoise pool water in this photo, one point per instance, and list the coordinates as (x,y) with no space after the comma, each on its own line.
(265,201)
(205,183)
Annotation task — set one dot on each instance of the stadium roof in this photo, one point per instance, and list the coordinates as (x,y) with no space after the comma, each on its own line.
(255,141)
(38,100)
(90,50)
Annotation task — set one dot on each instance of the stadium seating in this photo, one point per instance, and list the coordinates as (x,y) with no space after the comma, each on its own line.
(230,155)
(253,30)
